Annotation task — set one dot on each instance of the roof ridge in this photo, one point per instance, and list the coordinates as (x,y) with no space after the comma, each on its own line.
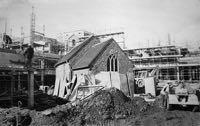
(102,42)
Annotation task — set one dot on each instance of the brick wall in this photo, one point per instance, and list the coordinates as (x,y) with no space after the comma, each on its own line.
(125,64)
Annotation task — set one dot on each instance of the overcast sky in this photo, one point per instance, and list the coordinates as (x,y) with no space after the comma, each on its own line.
(141,20)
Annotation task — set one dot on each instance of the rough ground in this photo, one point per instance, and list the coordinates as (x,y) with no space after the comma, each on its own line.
(107,107)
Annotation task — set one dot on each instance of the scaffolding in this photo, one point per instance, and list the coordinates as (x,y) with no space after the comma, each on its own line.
(172,66)
(171,71)
(32,30)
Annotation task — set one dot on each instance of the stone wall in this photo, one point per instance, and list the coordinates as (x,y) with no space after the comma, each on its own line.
(124,63)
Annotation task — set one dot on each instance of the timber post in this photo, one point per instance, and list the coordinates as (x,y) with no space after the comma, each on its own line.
(42,71)
(30,88)
(12,87)
(19,82)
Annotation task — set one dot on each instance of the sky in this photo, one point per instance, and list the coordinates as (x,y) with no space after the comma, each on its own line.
(145,22)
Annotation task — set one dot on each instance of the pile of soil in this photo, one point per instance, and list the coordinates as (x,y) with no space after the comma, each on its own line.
(15,117)
(112,104)
(44,101)
(105,107)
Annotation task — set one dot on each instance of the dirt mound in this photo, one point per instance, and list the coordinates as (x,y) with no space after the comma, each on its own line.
(15,117)
(112,104)
(105,107)
(44,101)
(23,117)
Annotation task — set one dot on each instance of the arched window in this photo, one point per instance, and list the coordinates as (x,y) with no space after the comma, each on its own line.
(116,64)
(73,42)
(108,64)
(112,63)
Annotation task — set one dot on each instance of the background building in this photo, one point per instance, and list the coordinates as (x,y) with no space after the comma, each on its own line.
(174,63)
(73,38)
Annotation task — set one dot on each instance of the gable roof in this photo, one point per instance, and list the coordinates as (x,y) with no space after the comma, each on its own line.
(73,52)
(91,55)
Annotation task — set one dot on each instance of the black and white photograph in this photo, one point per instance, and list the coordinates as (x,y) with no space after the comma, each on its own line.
(99,62)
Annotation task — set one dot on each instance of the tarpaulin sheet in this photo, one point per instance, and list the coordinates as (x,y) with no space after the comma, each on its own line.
(124,84)
(103,79)
(150,86)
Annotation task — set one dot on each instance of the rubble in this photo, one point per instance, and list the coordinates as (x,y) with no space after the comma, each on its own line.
(105,107)
(15,117)
(44,101)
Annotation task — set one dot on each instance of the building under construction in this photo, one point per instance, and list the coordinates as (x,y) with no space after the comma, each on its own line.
(174,63)
(74,38)
(18,81)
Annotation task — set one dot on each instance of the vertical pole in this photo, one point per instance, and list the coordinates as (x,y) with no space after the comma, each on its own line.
(49,47)
(178,76)
(19,83)
(22,37)
(177,69)
(190,73)
(12,88)
(42,71)
(32,30)
(30,88)
(198,73)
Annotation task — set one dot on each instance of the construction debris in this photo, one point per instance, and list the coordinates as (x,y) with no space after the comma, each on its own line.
(105,107)
(44,101)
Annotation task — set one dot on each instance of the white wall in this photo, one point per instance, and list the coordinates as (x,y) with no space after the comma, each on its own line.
(83,71)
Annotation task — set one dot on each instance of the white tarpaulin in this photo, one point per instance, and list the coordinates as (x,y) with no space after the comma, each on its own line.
(63,73)
(108,79)
(73,95)
(67,72)
(103,79)
(115,80)
(124,84)
(59,74)
(62,82)
(150,86)
(84,85)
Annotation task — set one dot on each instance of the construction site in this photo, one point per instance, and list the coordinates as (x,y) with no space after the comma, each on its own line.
(92,79)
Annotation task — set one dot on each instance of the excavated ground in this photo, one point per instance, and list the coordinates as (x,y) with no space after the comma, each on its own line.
(107,107)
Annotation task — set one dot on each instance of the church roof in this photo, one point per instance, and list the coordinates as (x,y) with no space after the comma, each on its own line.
(91,55)
(73,52)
